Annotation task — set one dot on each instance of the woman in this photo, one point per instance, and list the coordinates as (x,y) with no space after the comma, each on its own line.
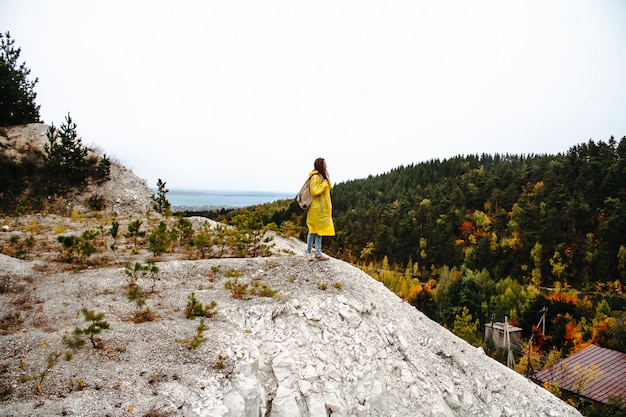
(319,218)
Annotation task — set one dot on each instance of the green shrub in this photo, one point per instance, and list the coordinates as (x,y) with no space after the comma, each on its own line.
(134,232)
(199,338)
(161,239)
(78,248)
(245,290)
(139,270)
(96,202)
(196,309)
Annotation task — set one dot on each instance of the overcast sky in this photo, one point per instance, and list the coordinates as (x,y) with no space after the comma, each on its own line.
(244,95)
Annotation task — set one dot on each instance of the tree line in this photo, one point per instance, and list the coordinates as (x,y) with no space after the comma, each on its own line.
(497,234)
(541,218)
(484,237)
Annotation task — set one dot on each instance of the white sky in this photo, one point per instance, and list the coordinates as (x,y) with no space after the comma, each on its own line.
(244,95)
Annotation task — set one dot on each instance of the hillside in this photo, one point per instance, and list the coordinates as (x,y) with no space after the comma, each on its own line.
(289,338)
(352,348)
(490,237)
(124,193)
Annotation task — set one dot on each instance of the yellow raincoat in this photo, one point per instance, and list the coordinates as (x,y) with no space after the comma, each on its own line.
(319,217)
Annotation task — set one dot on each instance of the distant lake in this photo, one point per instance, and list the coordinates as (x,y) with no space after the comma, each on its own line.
(221,199)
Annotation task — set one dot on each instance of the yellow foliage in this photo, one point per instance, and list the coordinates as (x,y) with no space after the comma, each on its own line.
(553,388)
(493,242)
(74,216)
(60,228)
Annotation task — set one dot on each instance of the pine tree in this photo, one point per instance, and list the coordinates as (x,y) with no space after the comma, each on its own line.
(160,202)
(17,94)
(65,159)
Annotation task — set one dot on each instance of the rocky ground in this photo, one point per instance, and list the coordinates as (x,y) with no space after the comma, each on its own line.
(330,341)
(277,336)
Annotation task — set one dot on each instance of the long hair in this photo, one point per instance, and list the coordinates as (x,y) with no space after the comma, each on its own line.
(320,166)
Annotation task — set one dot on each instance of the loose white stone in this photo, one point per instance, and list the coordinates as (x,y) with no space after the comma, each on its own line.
(284,404)
(305,386)
(283,366)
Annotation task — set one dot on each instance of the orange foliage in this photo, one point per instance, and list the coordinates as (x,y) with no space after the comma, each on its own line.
(429,287)
(600,333)
(574,338)
(565,297)
(415,292)
(466,229)
(540,340)
(424,291)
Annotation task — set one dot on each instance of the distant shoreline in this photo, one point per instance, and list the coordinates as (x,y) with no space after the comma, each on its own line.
(198,200)
(176,209)
(227,193)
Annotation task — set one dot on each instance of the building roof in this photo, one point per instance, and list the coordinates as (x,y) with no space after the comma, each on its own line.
(595,372)
(500,326)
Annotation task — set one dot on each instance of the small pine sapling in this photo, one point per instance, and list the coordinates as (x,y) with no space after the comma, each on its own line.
(142,270)
(134,231)
(184,230)
(199,337)
(78,247)
(237,290)
(262,290)
(161,239)
(135,293)
(51,360)
(153,270)
(68,243)
(86,248)
(97,325)
(244,290)
(113,231)
(196,309)
(75,341)
(224,237)
(201,241)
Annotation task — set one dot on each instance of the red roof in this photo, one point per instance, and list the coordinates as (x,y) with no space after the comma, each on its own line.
(596,373)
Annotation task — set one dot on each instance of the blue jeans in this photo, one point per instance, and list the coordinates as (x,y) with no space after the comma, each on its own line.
(318,243)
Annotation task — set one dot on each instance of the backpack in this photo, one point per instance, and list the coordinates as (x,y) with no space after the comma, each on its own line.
(304,197)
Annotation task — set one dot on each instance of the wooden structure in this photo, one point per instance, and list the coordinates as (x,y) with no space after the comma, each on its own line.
(504,336)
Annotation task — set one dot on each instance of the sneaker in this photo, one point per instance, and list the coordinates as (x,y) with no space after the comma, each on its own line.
(321,257)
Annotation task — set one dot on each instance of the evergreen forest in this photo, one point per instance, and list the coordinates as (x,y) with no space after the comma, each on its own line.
(481,238)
